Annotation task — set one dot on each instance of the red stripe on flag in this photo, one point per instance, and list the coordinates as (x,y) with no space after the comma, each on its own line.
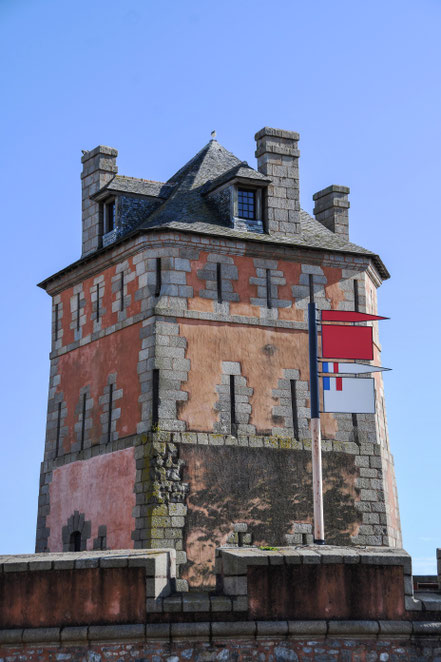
(349,316)
(339,383)
(335,367)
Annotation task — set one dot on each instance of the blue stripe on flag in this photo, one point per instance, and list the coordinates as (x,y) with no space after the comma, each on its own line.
(327,383)
(325,367)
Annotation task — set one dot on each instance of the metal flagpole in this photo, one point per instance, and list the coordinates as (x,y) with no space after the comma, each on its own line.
(317,487)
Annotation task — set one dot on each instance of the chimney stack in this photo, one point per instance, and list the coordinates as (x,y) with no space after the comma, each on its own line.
(278,158)
(99,167)
(331,209)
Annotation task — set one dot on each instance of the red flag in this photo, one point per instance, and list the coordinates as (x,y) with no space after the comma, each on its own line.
(348,316)
(347,342)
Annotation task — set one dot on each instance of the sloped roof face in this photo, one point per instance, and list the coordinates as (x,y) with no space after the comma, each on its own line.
(186,203)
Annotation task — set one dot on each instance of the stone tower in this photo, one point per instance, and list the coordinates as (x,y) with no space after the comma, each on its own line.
(178,398)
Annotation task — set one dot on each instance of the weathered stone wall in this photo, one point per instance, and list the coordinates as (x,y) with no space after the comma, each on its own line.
(114,324)
(228,644)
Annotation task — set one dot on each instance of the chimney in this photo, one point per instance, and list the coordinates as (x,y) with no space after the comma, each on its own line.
(99,167)
(278,158)
(331,209)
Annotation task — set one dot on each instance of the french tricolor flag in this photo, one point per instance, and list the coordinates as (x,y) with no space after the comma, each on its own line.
(337,368)
(348,395)
(333,383)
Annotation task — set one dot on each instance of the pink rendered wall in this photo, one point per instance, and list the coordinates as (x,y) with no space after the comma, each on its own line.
(102,489)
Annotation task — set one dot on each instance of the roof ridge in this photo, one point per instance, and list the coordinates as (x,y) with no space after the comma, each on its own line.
(141,179)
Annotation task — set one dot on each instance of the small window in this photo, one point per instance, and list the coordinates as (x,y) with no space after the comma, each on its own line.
(246,200)
(75,542)
(109,216)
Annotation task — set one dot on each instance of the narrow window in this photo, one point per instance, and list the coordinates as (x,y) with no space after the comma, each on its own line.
(356,300)
(219,281)
(269,303)
(109,216)
(155,398)
(57,442)
(295,415)
(97,302)
(75,542)
(56,323)
(158,277)
(109,420)
(246,200)
(78,311)
(83,421)
(355,420)
(101,542)
(311,288)
(232,405)
(122,291)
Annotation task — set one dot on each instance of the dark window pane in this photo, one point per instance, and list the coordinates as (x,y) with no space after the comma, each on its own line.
(110,216)
(246,204)
(75,542)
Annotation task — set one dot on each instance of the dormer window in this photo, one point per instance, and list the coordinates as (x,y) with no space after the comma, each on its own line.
(246,203)
(238,197)
(109,215)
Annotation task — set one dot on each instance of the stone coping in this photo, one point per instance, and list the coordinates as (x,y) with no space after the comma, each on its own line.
(155,561)
(235,561)
(209,631)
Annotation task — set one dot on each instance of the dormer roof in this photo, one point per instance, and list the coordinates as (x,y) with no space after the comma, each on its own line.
(123,184)
(241,173)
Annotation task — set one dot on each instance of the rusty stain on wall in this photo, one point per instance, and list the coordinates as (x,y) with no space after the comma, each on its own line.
(268,489)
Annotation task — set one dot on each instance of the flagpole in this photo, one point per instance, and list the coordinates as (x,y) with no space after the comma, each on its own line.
(317,485)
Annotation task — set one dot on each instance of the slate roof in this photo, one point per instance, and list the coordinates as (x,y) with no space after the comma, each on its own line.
(184,205)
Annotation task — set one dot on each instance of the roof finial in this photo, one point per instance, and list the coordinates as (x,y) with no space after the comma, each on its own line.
(213,135)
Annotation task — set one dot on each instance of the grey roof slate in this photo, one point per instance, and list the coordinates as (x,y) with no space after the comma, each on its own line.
(186,203)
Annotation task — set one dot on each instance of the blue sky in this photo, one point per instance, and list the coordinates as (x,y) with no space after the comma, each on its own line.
(359,81)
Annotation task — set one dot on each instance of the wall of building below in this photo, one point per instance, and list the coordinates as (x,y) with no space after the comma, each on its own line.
(92,618)
(269,642)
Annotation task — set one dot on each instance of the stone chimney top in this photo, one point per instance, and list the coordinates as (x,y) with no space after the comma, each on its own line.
(99,167)
(278,159)
(331,209)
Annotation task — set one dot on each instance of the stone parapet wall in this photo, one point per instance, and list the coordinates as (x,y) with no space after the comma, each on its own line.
(143,619)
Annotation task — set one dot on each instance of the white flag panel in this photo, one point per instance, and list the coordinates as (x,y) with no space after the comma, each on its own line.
(337,367)
(348,395)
